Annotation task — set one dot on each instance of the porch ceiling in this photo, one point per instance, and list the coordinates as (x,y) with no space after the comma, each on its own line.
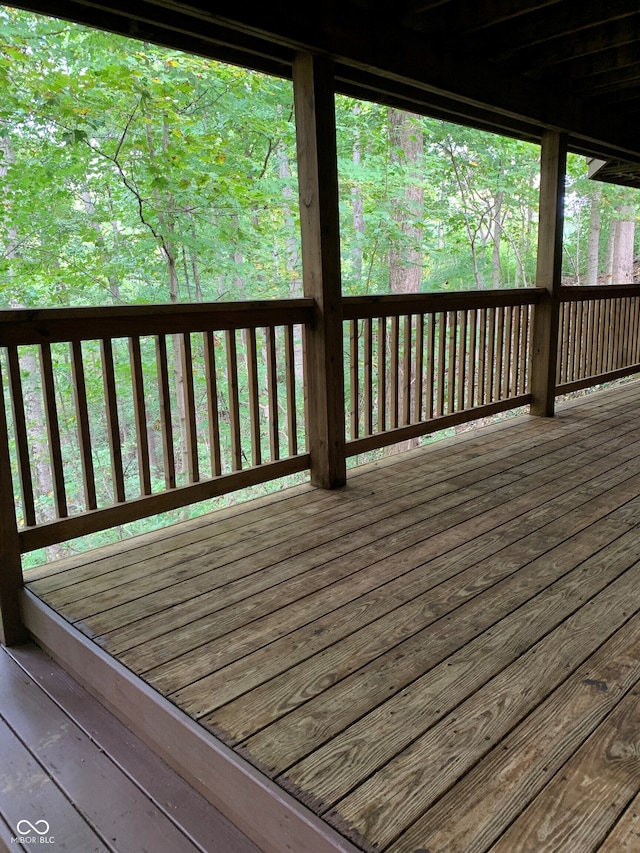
(514,66)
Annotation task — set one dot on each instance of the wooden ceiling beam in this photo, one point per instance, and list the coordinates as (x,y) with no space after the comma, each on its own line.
(470,16)
(594,65)
(268,33)
(546,25)
(147,21)
(622,78)
(610,36)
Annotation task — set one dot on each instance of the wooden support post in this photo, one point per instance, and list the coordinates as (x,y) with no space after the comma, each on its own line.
(12,630)
(320,230)
(549,264)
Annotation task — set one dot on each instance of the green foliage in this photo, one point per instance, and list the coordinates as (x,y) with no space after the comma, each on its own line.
(130,173)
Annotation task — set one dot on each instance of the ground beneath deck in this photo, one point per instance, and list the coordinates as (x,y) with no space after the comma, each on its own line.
(444,656)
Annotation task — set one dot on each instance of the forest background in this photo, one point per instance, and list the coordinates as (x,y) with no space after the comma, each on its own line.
(135,174)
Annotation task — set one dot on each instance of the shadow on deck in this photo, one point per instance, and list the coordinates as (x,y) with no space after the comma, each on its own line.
(443,656)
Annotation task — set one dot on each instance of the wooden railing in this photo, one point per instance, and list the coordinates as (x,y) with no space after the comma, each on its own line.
(220,388)
(598,336)
(198,358)
(415,364)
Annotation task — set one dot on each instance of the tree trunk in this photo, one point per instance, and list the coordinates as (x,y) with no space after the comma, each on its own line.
(593,246)
(622,267)
(357,205)
(405,258)
(497,235)
(114,284)
(7,159)
(611,251)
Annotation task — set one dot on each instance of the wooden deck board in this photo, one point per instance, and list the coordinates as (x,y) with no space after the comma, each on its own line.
(418,657)
(67,761)
(254,623)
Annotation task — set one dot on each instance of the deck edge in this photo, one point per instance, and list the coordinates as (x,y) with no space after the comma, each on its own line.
(264,812)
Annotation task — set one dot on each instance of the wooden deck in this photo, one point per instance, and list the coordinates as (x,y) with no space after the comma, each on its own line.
(83,781)
(443,656)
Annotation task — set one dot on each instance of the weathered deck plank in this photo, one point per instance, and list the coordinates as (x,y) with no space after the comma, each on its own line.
(67,761)
(495,792)
(419,657)
(583,801)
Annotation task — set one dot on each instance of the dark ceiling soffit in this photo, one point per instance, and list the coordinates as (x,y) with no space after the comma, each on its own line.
(145,21)
(614,172)
(394,61)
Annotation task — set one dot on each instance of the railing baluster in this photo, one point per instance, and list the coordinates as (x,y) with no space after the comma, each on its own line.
(430,366)
(189,408)
(406,371)
(53,431)
(254,407)
(140,415)
(213,415)
(164,399)
(624,334)
(471,363)
(499,353)
(272,394)
(482,357)
(462,360)
(419,362)
(382,373)
(571,340)
(609,362)
(491,346)
(578,339)
(82,417)
(353,376)
(525,325)
(515,350)
(584,341)
(290,370)
(395,356)
(581,322)
(452,352)
(234,403)
(586,331)
(113,423)
(619,332)
(442,353)
(597,334)
(22,443)
(506,368)
(368,377)
(305,389)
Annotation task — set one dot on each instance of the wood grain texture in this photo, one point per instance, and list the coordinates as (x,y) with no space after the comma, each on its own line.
(85,775)
(20,433)
(462,598)
(497,790)
(254,804)
(548,269)
(53,431)
(580,805)
(313,90)
(190,812)
(29,793)
(140,414)
(12,629)
(412,780)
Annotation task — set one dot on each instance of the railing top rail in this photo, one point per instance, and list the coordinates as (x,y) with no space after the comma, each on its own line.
(51,325)
(600,291)
(390,305)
